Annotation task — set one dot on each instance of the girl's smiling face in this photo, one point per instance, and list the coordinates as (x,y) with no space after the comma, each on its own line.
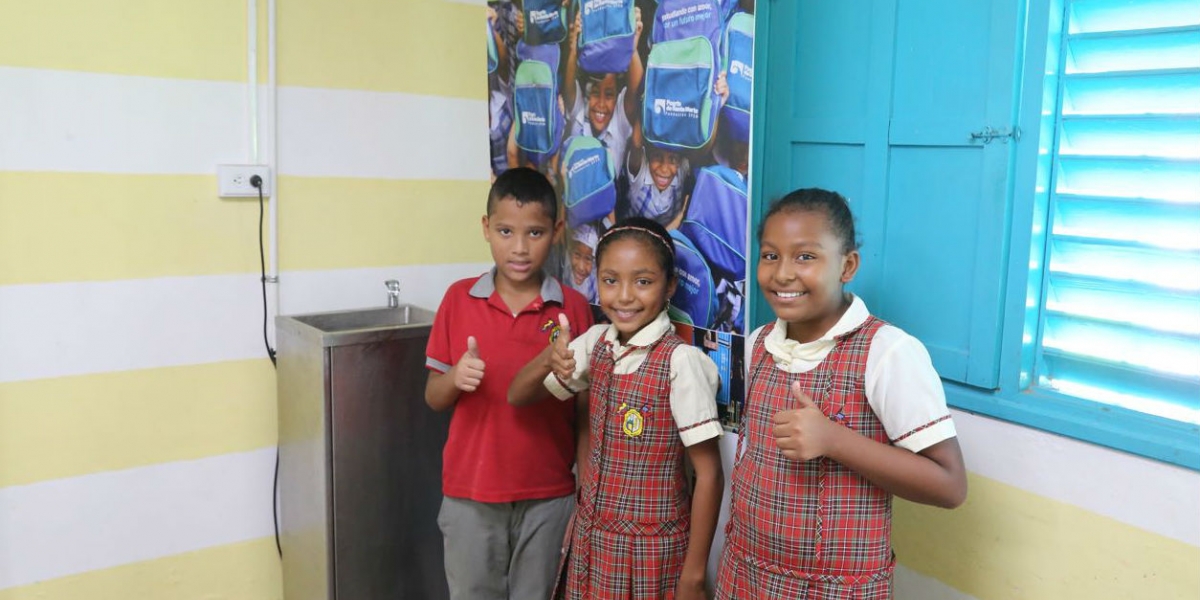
(664,166)
(802,269)
(601,102)
(633,287)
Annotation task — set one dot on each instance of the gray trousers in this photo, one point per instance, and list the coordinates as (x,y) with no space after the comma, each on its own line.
(503,550)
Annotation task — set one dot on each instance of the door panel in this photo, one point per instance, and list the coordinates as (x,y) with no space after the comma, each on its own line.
(946,191)
(878,100)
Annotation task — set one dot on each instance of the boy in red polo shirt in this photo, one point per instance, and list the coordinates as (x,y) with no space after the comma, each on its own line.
(506,476)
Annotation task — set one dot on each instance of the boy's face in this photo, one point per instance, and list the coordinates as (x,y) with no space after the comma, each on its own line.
(582,259)
(520,236)
(664,166)
(601,102)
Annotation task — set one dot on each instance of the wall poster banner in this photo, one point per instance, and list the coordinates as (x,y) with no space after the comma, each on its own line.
(637,108)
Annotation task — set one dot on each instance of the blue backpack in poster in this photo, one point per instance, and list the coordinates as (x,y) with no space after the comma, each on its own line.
(589,181)
(680,108)
(606,34)
(737,60)
(545,21)
(538,118)
(695,291)
(547,53)
(683,19)
(716,220)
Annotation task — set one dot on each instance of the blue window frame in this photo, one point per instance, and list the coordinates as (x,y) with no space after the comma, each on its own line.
(1114,293)
(1094,330)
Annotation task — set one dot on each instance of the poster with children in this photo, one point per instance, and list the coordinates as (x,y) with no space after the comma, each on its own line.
(637,108)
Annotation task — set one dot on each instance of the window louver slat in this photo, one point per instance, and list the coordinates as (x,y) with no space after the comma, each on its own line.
(1120,296)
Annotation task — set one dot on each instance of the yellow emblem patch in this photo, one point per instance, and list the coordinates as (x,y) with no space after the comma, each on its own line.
(633,422)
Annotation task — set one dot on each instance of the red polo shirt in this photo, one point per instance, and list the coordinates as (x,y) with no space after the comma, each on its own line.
(497,452)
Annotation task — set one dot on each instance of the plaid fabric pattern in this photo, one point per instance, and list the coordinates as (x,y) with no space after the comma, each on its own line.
(632,520)
(813,529)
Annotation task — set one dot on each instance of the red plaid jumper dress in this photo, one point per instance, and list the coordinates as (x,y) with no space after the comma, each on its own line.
(633,516)
(811,530)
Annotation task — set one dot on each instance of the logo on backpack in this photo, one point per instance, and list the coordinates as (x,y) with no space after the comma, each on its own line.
(593,5)
(587,162)
(737,67)
(529,118)
(675,108)
(542,17)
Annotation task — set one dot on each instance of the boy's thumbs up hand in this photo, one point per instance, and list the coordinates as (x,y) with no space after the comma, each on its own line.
(802,433)
(562,358)
(468,373)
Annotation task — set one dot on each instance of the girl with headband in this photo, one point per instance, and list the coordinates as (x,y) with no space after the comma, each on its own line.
(646,399)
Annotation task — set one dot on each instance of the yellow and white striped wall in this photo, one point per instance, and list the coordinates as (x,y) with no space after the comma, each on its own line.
(137,405)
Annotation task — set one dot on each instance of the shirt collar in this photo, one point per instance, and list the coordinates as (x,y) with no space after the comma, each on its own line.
(485,286)
(779,345)
(652,332)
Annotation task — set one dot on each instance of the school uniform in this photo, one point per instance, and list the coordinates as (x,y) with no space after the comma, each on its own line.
(650,399)
(615,137)
(815,529)
(645,199)
(506,471)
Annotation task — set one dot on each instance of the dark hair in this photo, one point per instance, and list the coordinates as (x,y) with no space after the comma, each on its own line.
(833,204)
(648,232)
(587,79)
(524,185)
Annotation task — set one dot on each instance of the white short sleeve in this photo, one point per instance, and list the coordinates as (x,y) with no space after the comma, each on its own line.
(905,391)
(694,382)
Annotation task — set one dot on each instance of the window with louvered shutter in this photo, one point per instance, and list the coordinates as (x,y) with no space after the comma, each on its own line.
(1117,233)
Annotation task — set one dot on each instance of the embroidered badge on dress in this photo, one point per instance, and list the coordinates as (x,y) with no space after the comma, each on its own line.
(632,421)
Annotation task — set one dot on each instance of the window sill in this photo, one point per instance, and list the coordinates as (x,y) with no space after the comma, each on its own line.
(1115,427)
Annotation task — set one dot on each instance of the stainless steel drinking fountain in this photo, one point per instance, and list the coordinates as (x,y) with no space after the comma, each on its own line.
(360,457)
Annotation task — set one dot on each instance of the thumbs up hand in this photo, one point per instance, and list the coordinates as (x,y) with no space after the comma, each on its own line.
(562,358)
(803,433)
(468,373)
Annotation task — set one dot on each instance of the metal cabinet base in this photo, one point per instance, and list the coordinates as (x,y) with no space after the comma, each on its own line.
(360,457)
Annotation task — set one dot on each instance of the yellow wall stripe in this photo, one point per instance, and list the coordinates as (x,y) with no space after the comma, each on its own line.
(423,46)
(92,227)
(414,46)
(1008,544)
(247,570)
(57,227)
(333,223)
(68,426)
(197,39)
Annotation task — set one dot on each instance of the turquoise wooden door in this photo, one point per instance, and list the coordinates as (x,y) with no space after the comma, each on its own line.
(879,100)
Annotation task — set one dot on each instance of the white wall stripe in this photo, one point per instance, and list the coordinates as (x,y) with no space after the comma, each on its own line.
(420,285)
(70,526)
(73,121)
(344,133)
(59,329)
(1137,491)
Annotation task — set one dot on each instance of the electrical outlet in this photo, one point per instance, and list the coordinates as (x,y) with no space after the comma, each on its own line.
(233,181)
